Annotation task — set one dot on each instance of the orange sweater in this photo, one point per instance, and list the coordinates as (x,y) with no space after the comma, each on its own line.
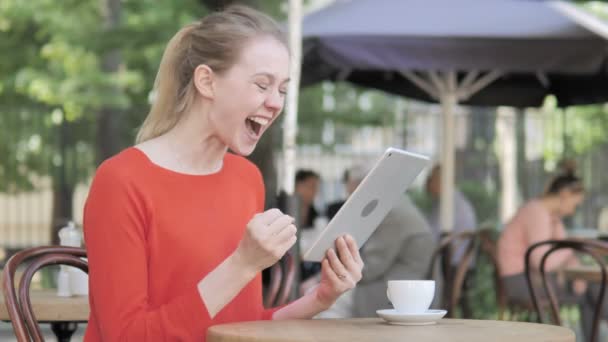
(152,234)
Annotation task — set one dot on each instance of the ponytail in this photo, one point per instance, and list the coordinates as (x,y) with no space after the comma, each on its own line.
(169,98)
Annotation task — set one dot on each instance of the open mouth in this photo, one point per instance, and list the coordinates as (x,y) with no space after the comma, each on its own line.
(255,124)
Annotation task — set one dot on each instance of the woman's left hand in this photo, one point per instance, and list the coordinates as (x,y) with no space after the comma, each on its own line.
(339,272)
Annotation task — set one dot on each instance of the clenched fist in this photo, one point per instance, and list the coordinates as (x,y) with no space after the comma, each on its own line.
(268,237)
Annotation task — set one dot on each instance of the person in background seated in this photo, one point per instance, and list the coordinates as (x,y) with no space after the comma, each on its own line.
(349,187)
(306,188)
(399,249)
(175,227)
(538,220)
(465,219)
(464,213)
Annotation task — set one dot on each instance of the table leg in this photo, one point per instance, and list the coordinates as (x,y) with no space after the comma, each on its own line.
(64,330)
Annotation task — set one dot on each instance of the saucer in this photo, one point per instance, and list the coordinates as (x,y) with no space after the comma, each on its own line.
(426,318)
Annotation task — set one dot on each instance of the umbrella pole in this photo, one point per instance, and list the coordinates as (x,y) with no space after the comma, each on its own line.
(448,99)
(444,88)
(290,122)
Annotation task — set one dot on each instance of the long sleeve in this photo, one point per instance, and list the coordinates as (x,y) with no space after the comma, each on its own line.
(115,234)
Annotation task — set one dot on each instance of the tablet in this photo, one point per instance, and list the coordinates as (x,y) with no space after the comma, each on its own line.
(367,206)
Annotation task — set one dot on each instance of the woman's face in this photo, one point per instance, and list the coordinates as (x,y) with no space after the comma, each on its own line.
(251,94)
(569,201)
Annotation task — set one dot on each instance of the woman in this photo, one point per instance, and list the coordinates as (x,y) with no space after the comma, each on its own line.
(538,220)
(174,227)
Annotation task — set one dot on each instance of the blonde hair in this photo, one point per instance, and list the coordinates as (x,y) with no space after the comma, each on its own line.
(216,41)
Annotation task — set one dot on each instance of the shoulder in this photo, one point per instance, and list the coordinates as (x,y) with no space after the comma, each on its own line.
(409,216)
(119,167)
(242,165)
(534,208)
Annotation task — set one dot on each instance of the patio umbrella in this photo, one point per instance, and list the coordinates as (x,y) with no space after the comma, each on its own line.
(481,52)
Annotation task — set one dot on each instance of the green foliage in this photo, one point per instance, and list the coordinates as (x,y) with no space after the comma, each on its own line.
(573,131)
(484,201)
(482,294)
(342,104)
(53,82)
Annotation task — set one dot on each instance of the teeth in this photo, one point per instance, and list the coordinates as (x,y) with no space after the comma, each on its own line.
(261,121)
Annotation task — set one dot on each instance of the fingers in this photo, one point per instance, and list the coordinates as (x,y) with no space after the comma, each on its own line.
(354,249)
(287,244)
(328,272)
(347,259)
(337,265)
(280,224)
(269,216)
(286,233)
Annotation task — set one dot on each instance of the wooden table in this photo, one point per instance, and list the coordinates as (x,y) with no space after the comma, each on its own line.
(591,273)
(62,312)
(374,329)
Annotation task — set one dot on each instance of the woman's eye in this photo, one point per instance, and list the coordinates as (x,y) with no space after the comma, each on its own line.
(261,86)
(283,92)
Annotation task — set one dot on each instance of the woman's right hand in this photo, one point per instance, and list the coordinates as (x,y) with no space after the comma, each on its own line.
(268,237)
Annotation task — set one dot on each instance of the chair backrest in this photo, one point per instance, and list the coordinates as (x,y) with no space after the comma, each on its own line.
(18,303)
(282,276)
(596,249)
(451,294)
(488,246)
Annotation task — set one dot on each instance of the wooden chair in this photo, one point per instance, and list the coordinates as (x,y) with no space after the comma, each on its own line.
(282,276)
(488,247)
(453,281)
(597,250)
(18,303)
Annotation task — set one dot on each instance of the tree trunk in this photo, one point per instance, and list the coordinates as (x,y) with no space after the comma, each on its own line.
(263,157)
(522,165)
(108,119)
(63,189)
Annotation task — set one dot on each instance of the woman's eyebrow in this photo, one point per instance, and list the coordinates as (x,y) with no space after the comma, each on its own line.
(270,76)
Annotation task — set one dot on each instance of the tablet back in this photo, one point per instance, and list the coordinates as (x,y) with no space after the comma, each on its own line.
(379,191)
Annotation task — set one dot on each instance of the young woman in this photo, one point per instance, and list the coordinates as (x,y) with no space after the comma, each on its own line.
(174,226)
(538,220)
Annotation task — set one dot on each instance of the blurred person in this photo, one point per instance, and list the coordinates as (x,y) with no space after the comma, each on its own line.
(399,249)
(538,220)
(349,187)
(307,188)
(465,219)
(174,227)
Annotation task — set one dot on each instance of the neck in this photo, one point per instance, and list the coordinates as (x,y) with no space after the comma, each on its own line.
(552,204)
(194,144)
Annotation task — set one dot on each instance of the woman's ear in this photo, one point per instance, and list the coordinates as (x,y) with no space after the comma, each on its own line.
(204,81)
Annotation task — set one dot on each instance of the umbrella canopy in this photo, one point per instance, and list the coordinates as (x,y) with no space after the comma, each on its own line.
(483,52)
(536,49)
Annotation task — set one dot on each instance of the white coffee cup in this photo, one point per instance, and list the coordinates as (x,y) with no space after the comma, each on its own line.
(411,296)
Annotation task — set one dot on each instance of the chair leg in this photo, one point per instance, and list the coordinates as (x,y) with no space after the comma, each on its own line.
(64,330)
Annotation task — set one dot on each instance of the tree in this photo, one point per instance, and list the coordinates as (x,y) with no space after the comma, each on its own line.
(56,73)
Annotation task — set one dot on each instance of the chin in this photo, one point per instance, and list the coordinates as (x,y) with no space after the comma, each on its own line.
(241,150)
